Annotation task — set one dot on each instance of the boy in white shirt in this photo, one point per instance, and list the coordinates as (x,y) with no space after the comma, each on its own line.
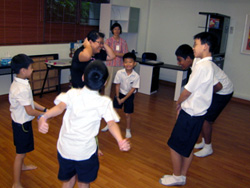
(191,108)
(223,91)
(77,147)
(23,110)
(127,82)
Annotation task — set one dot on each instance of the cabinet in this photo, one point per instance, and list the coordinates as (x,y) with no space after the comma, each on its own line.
(219,25)
(39,71)
(149,76)
(127,17)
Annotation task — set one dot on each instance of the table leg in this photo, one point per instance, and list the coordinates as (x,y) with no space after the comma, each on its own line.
(179,83)
(44,82)
(59,81)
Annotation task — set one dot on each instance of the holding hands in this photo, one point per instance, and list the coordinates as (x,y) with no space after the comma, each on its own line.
(43,126)
(124,145)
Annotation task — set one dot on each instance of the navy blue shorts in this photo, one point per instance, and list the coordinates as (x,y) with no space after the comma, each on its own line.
(86,170)
(128,104)
(23,137)
(218,104)
(185,133)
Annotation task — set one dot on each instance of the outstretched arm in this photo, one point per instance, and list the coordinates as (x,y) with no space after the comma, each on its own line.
(43,126)
(39,107)
(33,112)
(114,129)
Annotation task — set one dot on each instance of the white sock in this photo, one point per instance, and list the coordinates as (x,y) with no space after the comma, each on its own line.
(207,150)
(200,145)
(128,133)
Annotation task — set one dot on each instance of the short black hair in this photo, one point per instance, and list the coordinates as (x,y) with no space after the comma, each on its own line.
(185,51)
(116,25)
(20,61)
(129,55)
(94,35)
(208,38)
(95,75)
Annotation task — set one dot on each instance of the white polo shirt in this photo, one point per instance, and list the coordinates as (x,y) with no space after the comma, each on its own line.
(81,122)
(127,82)
(20,95)
(219,76)
(227,85)
(200,85)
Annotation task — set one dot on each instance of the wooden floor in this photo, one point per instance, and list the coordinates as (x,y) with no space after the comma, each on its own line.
(149,158)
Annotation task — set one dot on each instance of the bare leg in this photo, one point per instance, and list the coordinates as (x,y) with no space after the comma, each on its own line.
(186,164)
(128,120)
(83,185)
(18,163)
(207,132)
(70,183)
(176,162)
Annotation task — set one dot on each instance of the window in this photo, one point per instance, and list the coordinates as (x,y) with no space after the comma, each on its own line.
(47,21)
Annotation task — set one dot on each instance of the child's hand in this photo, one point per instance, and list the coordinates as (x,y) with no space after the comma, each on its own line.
(100,152)
(120,101)
(178,109)
(43,126)
(124,145)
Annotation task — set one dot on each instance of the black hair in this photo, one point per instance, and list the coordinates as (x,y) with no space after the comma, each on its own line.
(116,25)
(208,38)
(20,61)
(94,35)
(95,75)
(129,55)
(185,51)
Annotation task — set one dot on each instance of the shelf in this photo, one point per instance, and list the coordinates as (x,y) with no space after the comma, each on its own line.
(119,13)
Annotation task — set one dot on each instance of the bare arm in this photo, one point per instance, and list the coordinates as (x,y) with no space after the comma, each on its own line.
(110,52)
(39,107)
(114,129)
(43,126)
(217,87)
(87,52)
(119,54)
(32,112)
(184,95)
(117,90)
(128,95)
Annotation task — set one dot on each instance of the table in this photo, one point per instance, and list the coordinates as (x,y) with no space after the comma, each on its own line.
(149,76)
(6,69)
(59,65)
(181,78)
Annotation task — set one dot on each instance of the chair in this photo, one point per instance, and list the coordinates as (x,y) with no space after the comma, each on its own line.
(149,56)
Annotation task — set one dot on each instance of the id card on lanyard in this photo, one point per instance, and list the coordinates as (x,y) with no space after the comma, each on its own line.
(117,47)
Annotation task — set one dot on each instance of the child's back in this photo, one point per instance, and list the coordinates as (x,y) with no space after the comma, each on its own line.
(81,121)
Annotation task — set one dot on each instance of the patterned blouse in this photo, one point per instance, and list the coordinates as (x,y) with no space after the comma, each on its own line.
(117,46)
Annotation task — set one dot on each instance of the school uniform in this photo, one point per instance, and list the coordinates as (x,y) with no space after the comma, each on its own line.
(81,123)
(127,82)
(191,117)
(20,95)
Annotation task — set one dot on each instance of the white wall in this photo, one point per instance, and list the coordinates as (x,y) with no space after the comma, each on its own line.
(166,24)
(61,49)
(172,23)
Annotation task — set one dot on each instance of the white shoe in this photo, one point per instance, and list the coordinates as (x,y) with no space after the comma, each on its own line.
(206,151)
(200,145)
(105,128)
(128,133)
(172,180)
